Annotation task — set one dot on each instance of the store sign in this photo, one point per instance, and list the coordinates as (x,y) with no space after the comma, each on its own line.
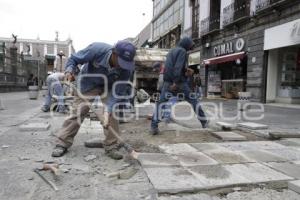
(283,35)
(229,47)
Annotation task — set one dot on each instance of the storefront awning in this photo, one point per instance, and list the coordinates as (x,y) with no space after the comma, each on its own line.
(223,59)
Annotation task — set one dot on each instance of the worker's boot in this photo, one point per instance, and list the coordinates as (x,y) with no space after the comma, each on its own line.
(59,151)
(114,154)
(94,143)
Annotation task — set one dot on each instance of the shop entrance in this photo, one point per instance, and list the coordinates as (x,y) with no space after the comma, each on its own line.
(227,79)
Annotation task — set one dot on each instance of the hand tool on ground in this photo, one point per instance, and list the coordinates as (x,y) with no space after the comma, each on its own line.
(52,167)
(44,179)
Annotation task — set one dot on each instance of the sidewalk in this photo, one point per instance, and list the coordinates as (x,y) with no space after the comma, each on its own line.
(277,117)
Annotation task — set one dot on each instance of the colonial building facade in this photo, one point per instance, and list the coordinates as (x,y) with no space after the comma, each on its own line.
(21,57)
(247,45)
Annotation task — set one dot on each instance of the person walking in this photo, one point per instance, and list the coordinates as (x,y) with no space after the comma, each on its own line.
(175,84)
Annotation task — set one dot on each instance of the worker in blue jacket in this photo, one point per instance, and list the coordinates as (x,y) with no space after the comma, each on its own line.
(104,67)
(176,76)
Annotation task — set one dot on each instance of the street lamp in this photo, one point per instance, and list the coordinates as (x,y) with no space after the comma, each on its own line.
(61,55)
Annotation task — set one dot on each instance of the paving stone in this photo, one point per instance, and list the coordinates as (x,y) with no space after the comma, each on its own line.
(290,169)
(257,145)
(207,146)
(288,153)
(237,146)
(252,126)
(293,142)
(217,176)
(189,197)
(225,125)
(229,136)
(228,157)
(157,160)
(263,156)
(257,173)
(173,180)
(177,149)
(262,133)
(278,135)
(294,186)
(195,159)
(35,126)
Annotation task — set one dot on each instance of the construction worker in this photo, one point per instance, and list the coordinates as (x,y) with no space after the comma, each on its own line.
(176,84)
(55,87)
(104,66)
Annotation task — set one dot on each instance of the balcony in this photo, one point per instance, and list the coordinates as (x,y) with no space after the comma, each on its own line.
(261,5)
(236,11)
(210,24)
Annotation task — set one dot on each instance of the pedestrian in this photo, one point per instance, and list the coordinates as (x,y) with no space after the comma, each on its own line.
(159,67)
(30,80)
(104,65)
(176,84)
(55,87)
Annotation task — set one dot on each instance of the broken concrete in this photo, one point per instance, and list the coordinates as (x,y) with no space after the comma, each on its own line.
(90,158)
(252,126)
(35,126)
(157,160)
(229,136)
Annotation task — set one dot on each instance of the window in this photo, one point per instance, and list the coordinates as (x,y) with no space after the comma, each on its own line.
(290,67)
(195,18)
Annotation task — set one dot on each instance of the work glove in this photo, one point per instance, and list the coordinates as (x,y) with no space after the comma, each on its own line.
(69,77)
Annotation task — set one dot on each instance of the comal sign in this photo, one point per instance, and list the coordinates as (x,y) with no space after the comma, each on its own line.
(229,47)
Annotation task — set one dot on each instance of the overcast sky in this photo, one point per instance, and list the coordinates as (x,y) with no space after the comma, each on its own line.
(85,21)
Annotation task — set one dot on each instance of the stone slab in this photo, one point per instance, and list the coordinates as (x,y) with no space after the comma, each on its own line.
(252,125)
(195,159)
(157,160)
(290,169)
(35,126)
(278,135)
(263,156)
(177,149)
(257,145)
(225,125)
(217,176)
(257,173)
(291,142)
(294,186)
(207,146)
(189,197)
(229,136)
(288,153)
(173,180)
(228,157)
